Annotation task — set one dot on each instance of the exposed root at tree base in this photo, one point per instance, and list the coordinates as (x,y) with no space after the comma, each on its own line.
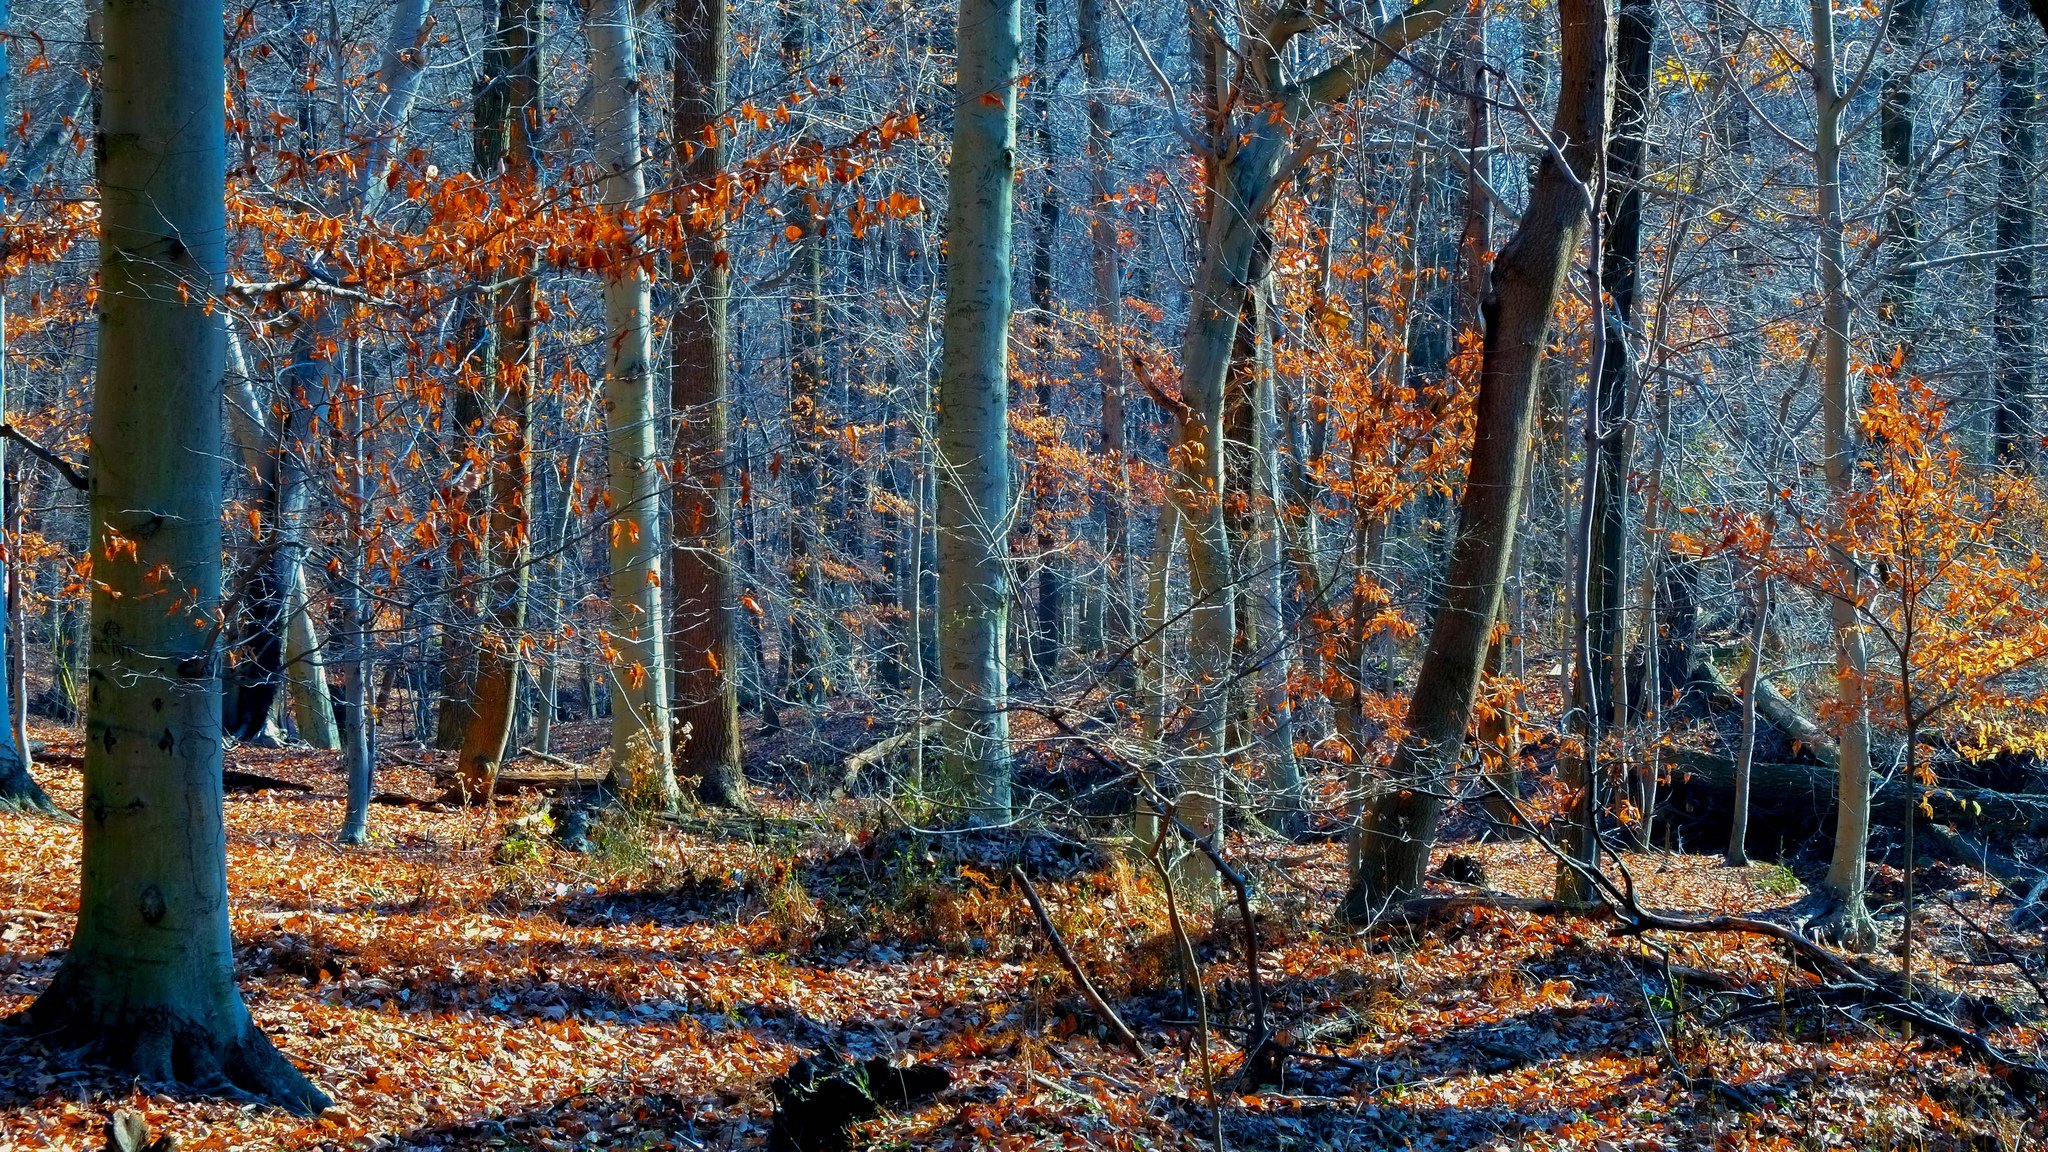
(22,794)
(1846,924)
(162,1051)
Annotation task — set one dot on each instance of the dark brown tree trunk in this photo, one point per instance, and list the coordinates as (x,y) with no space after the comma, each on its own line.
(1112,501)
(1895,130)
(706,657)
(1527,275)
(1600,687)
(2014,355)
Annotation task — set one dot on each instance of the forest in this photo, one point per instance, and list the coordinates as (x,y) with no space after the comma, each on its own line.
(827,574)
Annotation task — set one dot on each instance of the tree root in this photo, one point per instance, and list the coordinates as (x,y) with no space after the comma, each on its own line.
(229,1058)
(1846,924)
(20,793)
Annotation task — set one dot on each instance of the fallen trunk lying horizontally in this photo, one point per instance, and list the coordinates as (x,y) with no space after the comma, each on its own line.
(1797,798)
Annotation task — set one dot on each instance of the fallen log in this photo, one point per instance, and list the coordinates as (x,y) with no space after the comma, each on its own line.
(874,756)
(1802,796)
(1804,734)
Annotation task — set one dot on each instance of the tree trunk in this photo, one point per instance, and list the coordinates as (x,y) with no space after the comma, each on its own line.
(1049,634)
(18,789)
(1745,756)
(1285,800)
(1895,129)
(1527,275)
(805,640)
(1151,657)
(639,670)
(509,113)
(359,731)
(2015,347)
(706,660)
(1601,681)
(1112,501)
(399,69)
(973,412)
(305,663)
(1251,159)
(1850,921)
(148,979)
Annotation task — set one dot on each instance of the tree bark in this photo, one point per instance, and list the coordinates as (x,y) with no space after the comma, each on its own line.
(1285,807)
(706,658)
(1049,637)
(1850,921)
(973,412)
(2015,353)
(1601,682)
(148,979)
(17,788)
(359,729)
(1112,501)
(1527,275)
(805,641)
(1895,129)
(509,115)
(639,670)
(399,69)
(1745,756)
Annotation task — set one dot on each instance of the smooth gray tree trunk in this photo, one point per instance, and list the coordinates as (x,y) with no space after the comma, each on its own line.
(148,980)
(973,462)
(1849,920)
(641,765)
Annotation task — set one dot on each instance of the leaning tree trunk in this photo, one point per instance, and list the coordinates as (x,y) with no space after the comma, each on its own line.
(1249,163)
(1527,275)
(399,70)
(1849,921)
(149,978)
(973,413)
(641,766)
(508,113)
(706,657)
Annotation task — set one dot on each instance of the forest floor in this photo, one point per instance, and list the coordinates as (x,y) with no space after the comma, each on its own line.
(461,982)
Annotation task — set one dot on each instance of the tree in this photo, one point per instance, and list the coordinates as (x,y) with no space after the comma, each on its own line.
(706,655)
(148,980)
(1527,276)
(508,116)
(1248,150)
(639,671)
(1849,921)
(973,411)
(17,787)
(1600,675)
(2015,357)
